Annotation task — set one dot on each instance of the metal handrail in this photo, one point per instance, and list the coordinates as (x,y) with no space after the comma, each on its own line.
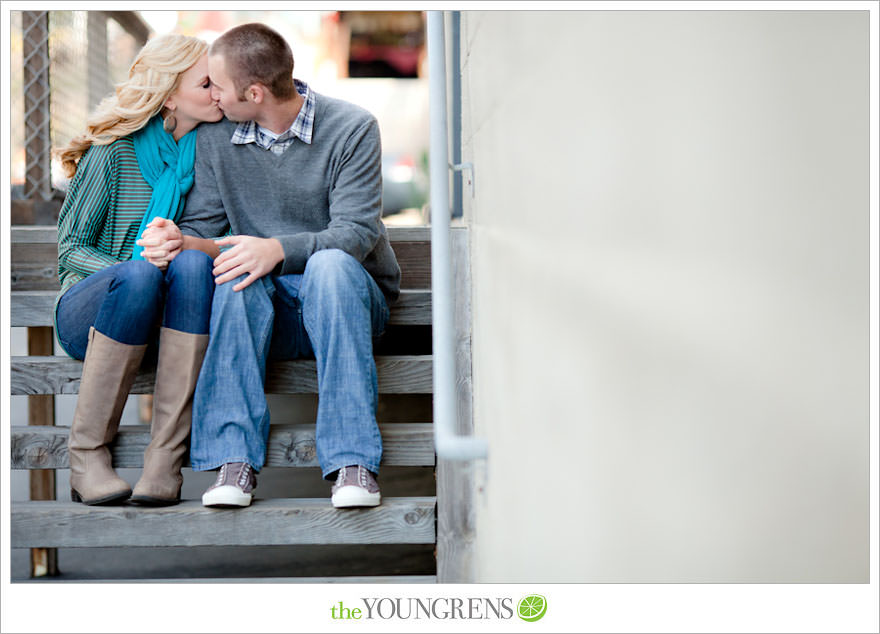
(447,443)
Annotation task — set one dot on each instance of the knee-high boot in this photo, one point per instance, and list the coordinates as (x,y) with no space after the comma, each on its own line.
(109,370)
(180,359)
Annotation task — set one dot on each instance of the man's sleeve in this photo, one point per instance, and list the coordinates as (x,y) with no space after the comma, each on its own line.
(355,204)
(204,215)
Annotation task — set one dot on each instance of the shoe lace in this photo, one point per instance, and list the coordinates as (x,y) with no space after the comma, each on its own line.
(244,475)
(221,476)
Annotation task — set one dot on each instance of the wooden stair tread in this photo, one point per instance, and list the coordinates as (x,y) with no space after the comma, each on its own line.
(35,308)
(407,579)
(283,521)
(39,447)
(400,374)
(34,256)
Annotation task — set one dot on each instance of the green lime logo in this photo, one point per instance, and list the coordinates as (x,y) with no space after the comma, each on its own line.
(532,607)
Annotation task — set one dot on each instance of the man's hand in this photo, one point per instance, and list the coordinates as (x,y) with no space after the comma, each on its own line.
(162,241)
(249,255)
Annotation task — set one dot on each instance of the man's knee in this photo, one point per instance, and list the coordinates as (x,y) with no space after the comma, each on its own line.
(331,268)
(255,294)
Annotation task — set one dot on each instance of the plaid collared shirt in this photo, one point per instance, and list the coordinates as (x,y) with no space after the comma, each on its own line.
(251,132)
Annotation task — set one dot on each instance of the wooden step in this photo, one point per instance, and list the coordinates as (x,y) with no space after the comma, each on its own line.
(34,256)
(270,522)
(403,445)
(404,374)
(35,308)
(407,579)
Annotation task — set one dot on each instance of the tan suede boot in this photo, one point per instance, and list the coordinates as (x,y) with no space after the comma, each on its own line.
(180,359)
(109,370)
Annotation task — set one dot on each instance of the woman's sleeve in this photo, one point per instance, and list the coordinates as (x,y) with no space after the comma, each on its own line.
(84,213)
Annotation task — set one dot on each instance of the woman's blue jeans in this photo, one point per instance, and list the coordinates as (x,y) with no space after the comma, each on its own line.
(331,311)
(130,300)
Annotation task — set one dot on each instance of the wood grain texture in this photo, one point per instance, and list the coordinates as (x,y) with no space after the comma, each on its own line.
(406,579)
(47,234)
(404,445)
(404,374)
(34,308)
(266,522)
(456,517)
(34,257)
(41,413)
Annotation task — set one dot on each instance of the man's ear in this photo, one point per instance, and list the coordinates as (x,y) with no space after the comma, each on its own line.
(255,93)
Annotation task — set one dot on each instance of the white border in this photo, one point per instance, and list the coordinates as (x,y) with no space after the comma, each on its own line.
(572,607)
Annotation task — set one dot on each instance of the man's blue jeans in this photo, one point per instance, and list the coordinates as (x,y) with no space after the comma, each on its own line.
(130,300)
(330,312)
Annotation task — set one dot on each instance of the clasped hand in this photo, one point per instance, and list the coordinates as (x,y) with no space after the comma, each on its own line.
(255,257)
(162,241)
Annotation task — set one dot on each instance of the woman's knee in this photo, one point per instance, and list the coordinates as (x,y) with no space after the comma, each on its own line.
(191,262)
(138,279)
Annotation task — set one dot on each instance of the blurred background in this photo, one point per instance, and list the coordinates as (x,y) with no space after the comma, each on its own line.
(373,58)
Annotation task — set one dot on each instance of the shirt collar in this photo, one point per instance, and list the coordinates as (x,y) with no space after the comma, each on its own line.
(301,128)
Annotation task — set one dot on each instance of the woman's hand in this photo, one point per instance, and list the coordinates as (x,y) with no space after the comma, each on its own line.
(162,241)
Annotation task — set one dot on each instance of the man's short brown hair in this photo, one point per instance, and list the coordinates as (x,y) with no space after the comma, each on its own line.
(255,53)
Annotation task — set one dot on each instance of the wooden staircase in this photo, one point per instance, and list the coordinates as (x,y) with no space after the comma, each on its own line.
(404,367)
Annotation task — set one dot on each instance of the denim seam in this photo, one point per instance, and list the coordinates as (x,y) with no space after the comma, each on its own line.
(215,464)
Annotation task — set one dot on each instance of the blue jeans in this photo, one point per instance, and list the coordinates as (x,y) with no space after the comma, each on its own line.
(130,300)
(330,312)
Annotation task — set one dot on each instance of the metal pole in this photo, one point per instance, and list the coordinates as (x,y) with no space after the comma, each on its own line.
(455,106)
(448,445)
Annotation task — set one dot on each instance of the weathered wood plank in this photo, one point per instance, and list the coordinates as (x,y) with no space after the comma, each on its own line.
(49,234)
(34,308)
(456,516)
(404,374)
(404,445)
(41,413)
(406,579)
(34,257)
(414,259)
(264,523)
(34,266)
(34,234)
(412,308)
(31,308)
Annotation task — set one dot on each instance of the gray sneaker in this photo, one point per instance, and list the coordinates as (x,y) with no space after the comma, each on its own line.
(233,487)
(355,486)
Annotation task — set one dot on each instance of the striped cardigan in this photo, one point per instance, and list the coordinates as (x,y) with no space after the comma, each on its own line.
(99,220)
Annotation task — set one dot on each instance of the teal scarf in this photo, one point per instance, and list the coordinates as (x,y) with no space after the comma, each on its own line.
(168,168)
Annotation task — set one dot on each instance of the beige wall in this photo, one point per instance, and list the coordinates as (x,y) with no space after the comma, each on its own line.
(670,264)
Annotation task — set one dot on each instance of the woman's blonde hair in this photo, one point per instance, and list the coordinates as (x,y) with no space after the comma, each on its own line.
(153,77)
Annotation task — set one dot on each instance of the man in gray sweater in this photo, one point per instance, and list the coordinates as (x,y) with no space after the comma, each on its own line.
(293,180)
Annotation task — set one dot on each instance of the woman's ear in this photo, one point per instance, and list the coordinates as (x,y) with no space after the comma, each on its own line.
(169,104)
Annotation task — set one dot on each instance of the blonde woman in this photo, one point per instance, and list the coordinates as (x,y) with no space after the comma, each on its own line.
(130,173)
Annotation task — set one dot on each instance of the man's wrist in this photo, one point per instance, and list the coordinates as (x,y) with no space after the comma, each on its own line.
(278,253)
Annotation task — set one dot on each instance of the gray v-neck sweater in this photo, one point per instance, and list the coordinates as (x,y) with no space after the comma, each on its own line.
(323,195)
